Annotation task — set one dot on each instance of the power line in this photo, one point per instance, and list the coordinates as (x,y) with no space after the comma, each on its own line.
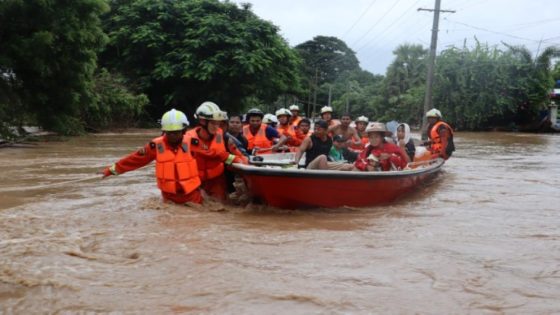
(421,29)
(491,31)
(374,39)
(532,24)
(359,19)
(374,25)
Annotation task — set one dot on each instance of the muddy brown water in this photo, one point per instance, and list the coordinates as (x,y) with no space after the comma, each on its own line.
(483,237)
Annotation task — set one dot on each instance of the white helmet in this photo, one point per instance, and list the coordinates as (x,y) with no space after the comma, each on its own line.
(174,120)
(326,109)
(433,113)
(362,119)
(270,119)
(210,111)
(283,111)
(294,107)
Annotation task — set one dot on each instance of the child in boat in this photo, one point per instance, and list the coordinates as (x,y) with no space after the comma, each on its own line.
(384,155)
(405,142)
(339,151)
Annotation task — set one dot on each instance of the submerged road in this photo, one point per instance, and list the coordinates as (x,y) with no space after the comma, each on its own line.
(481,238)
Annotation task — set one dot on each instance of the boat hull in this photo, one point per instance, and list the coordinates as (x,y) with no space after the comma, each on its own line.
(332,189)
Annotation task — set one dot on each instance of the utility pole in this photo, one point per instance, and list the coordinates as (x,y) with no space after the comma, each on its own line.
(347,97)
(330,93)
(315,93)
(431,62)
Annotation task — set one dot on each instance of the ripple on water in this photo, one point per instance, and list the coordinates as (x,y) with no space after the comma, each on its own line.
(481,237)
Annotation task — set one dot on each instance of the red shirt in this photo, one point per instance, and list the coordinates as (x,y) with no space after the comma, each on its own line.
(397,156)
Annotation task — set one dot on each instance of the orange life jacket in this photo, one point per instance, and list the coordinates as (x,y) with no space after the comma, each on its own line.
(209,166)
(361,146)
(300,136)
(259,140)
(436,146)
(295,122)
(286,130)
(175,167)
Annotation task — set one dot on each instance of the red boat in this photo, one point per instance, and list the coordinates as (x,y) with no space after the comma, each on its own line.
(275,183)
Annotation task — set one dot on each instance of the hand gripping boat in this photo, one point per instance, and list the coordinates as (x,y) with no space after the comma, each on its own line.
(275,181)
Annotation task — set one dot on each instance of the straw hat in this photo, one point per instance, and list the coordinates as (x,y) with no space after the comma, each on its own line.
(378,127)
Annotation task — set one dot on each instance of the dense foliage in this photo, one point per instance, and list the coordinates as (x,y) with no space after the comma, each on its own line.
(182,53)
(158,54)
(483,87)
(326,62)
(404,85)
(115,106)
(49,50)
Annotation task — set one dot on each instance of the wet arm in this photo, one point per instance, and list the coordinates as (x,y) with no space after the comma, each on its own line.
(302,148)
(355,137)
(135,160)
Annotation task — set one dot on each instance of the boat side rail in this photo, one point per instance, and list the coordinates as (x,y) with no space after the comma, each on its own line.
(280,170)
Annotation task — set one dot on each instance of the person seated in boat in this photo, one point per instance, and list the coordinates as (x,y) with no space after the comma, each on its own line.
(285,128)
(405,142)
(380,154)
(295,118)
(261,137)
(326,115)
(317,148)
(302,131)
(171,151)
(361,125)
(344,129)
(440,135)
(270,120)
(340,154)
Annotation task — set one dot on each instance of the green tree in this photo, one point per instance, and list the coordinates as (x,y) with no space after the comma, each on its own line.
(357,92)
(49,50)
(329,57)
(556,71)
(404,85)
(115,106)
(471,86)
(484,87)
(538,73)
(407,70)
(181,53)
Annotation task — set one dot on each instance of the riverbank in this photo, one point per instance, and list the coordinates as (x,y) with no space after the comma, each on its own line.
(25,135)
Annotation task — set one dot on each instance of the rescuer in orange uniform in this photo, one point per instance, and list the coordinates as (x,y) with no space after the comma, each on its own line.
(260,136)
(326,115)
(440,135)
(361,125)
(295,118)
(302,131)
(285,128)
(176,169)
(209,149)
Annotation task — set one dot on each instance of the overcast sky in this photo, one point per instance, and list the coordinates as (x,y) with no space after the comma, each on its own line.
(374,28)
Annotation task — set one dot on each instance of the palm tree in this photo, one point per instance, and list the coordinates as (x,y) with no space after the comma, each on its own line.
(541,73)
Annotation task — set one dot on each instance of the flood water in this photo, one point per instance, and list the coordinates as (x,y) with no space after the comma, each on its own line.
(483,237)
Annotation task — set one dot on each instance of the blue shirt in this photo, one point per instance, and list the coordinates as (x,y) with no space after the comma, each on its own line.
(271,133)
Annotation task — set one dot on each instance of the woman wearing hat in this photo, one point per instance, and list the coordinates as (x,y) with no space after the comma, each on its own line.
(380,154)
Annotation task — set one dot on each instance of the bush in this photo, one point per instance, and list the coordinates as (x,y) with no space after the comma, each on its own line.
(115,106)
